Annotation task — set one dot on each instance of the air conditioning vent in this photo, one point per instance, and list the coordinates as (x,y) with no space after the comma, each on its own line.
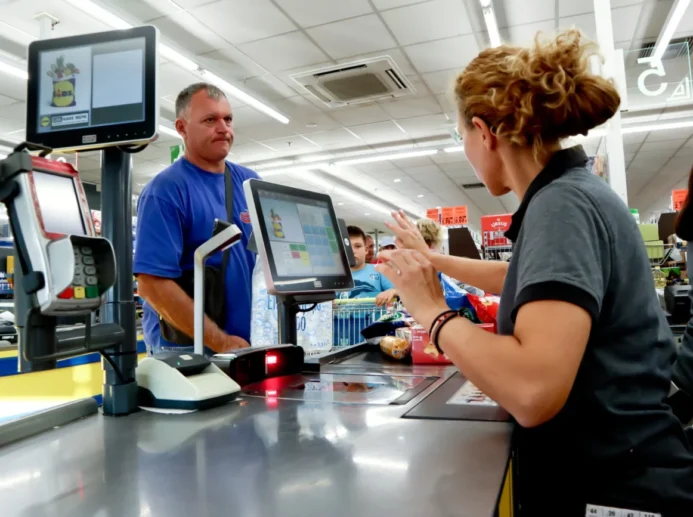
(471,186)
(677,48)
(355,83)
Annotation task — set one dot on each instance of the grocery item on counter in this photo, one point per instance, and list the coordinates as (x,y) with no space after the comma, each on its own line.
(486,307)
(425,352)
(395,347)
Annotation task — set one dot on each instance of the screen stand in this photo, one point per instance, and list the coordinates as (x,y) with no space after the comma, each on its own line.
(288,308)
(119,397)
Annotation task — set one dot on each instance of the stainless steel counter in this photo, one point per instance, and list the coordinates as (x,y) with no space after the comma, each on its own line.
(262,458)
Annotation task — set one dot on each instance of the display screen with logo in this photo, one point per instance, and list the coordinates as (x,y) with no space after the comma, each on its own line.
(298,235)
(93,90)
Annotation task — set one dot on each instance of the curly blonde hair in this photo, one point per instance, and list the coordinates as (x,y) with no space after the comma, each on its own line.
(431,232)
(538,95)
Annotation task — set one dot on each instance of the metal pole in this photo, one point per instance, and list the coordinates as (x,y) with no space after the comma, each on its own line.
(119,395)
(287,310)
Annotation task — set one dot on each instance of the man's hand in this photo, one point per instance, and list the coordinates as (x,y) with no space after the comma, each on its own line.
(231,343)
(385,297)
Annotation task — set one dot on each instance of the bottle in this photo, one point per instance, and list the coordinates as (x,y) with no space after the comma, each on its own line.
(636,215)
(660,278)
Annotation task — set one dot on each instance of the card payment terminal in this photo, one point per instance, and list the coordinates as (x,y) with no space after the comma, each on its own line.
(65,264)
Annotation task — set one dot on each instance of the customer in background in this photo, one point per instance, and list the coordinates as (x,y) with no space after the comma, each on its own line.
(432,233)
(583,356)
(370,249)
(682,400)
(175,215)
(368,283)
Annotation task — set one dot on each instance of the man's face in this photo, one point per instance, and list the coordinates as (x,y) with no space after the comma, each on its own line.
(207,127)
(358,245)
(370,249)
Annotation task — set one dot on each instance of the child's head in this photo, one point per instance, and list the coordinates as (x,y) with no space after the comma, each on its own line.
(431,232)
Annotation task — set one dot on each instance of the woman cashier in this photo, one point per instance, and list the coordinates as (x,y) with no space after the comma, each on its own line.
(583,356)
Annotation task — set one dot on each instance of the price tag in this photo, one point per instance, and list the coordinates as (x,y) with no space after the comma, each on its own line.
(460,216)
(678,198)
(433,213)
(448,218)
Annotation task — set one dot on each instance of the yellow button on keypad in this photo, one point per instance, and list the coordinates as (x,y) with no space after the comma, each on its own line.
(79,293)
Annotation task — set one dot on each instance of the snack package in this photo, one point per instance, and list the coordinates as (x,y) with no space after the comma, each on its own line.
(486,307)
(425,352)
(395,347)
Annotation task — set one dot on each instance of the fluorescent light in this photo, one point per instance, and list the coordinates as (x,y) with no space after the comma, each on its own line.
(13,70)
(454,149)
(657,127)
(420,196)
(398,180)
(491,23)
(107,17)
(387,157)
(675,14)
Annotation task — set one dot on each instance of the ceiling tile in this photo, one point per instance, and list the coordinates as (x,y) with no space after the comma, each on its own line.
(286,146)
(407,108)
(189,33)
(669,134)
(145,10)
(379,132)
(444,54)
(523,35)
(426,125)
(585,22)
(346,38)
(444,19)
(360,114)
(241,21)
(265,130)
(574,7)
(284,52)
(189,4)
(665,147)
(627,18)
(270,88)
(308,13)
(338,138)
(173,79)
(390,4)
(520,12)
(442,81)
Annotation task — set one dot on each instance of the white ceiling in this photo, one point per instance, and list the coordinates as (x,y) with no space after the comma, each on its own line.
(259,44)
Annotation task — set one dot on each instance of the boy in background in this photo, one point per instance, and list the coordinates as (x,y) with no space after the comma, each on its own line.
(368,283)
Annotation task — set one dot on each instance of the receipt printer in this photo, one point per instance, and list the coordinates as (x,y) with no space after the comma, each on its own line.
(678,303)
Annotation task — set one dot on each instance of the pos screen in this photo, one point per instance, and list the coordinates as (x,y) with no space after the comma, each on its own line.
(298,235)
(93,90)
(58,203)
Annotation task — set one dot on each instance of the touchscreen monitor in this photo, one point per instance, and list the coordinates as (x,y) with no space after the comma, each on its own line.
(58,202)
(93,90)
(298,237)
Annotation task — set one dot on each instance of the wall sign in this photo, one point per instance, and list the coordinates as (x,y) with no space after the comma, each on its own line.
(433,213)
(678,198)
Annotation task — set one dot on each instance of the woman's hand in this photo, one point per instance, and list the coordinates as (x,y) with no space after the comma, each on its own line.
(416,283)
(407,235)
(385,297)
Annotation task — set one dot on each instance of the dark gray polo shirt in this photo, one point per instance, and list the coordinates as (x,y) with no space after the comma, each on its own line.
(576,241)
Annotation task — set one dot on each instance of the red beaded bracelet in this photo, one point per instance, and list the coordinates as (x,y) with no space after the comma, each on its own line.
(438,323)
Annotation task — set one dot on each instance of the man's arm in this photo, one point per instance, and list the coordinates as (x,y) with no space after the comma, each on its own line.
(487,275)
(176,307)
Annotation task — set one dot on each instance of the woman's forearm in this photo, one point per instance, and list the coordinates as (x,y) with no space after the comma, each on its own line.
(485,274)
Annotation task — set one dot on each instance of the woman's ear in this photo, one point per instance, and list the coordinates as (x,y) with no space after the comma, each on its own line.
(487,137)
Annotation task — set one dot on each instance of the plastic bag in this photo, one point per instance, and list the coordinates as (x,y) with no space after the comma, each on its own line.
(314,328)
(486,307)
(456,298)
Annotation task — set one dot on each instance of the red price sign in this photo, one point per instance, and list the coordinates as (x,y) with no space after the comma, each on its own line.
(460,216)
(433,213)
(448,218)
(678,198)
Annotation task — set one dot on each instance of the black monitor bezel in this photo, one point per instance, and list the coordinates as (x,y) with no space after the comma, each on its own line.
(101,136)
(325,283)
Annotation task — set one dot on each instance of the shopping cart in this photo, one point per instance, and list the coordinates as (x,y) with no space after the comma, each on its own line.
(351,317)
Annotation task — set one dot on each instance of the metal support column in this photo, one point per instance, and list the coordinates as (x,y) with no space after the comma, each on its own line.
(119,395)
(614,135)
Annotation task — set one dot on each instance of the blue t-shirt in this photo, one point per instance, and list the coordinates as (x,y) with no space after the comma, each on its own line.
(368,283)
(175,215)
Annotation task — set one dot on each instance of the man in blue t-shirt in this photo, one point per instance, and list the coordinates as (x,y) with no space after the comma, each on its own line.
(368,283)
(175,215)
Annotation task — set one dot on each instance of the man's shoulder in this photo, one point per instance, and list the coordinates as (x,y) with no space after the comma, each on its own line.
(168,182)
(244,172)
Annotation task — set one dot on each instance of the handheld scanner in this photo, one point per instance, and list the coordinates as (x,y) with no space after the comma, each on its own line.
(66,266)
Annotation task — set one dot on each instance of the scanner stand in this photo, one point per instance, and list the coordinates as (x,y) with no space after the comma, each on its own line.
(190,381)
(288,308)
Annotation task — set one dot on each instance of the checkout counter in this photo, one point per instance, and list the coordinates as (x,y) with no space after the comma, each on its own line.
(349,433)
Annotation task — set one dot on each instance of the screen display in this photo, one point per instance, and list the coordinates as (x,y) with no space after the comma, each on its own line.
(59,204)
(302,237)
(88,86)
